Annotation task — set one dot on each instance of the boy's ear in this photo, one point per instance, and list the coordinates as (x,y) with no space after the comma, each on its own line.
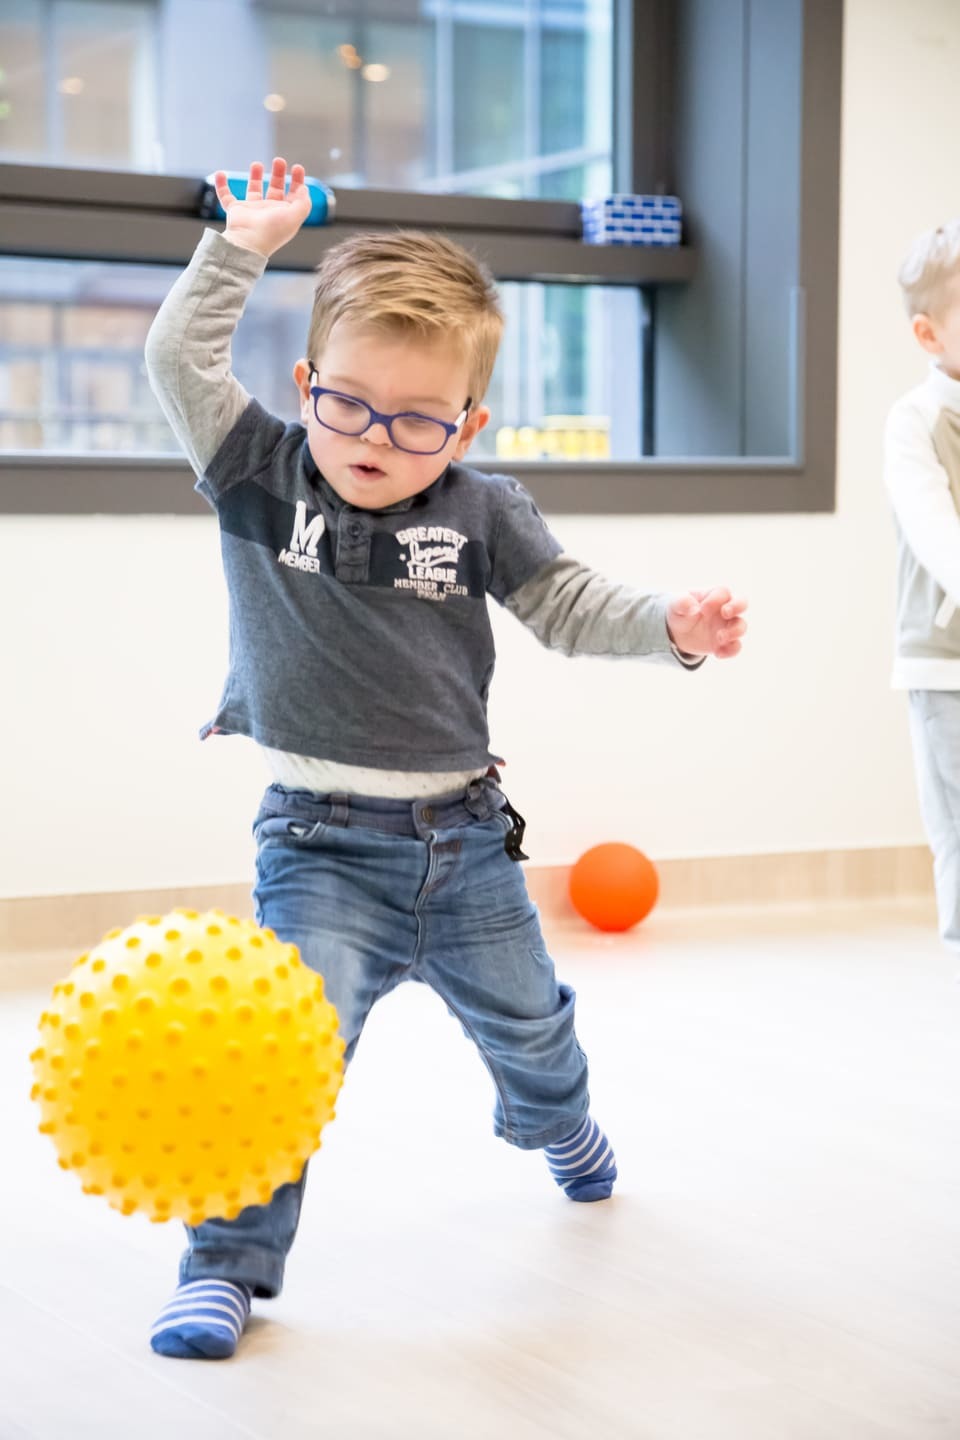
(925,333)
(301,378)
(472,426)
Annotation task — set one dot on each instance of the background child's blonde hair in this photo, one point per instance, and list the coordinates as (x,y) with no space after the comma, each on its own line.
(407,282)
(932,263)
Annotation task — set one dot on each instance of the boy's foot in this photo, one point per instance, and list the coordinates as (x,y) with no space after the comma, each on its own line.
(583,1165)
(203,1321)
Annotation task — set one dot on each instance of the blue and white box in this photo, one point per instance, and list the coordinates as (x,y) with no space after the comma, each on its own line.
(632,220)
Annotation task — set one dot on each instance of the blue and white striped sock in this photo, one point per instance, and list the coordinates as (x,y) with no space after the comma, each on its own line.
(203,1321)
(583,1165)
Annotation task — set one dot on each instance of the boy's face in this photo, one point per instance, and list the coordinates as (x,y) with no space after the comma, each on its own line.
(940,335)
(391,375)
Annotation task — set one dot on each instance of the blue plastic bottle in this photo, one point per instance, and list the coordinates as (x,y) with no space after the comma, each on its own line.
(321,210)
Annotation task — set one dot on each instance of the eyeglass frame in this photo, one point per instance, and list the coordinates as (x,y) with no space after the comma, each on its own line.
(378,418)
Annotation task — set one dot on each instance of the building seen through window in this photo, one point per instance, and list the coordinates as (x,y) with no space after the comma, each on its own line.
(72,374)
(489,97)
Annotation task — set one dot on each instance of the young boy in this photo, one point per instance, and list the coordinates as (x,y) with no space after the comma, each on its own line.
(358,554)
(922,473)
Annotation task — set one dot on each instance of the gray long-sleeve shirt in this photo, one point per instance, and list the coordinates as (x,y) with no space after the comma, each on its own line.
(362,637)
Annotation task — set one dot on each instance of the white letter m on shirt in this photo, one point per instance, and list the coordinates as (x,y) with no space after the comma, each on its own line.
(305,537)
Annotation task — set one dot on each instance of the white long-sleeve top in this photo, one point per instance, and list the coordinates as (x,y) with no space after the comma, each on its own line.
(922,476)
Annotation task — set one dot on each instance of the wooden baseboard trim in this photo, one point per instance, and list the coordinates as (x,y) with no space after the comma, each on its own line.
(68,922)
(802,877)
(75,922)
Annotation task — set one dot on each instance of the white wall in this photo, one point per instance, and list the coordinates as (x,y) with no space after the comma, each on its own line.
(113,631)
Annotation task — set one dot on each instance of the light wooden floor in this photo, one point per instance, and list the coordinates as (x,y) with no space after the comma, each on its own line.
(781,1260)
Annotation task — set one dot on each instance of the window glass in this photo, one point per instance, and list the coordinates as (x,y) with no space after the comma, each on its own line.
(353,120)
(78,82)
(22,82)
(103,74)
(511,99)
(72,375)
(571,124)
(489,125)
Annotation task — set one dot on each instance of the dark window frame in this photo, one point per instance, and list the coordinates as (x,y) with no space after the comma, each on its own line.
(77,214)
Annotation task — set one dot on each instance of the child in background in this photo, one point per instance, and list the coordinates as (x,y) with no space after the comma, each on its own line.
(359,552)
(922,473)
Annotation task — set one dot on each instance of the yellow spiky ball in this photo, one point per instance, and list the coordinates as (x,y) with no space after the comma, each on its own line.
(187,1066)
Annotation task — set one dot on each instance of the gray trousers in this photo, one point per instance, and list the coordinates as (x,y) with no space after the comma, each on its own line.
(935,729)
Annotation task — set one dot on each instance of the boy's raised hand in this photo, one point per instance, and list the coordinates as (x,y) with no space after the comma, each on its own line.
(707,622)
(263,223)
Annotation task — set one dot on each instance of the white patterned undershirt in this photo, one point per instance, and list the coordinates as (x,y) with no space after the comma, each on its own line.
(327,777)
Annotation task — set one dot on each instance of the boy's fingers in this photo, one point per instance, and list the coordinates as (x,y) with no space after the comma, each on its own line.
(734,607)
(297,176)
(278,177)
(255,181)
(717,597)
(730,633)
(224,194)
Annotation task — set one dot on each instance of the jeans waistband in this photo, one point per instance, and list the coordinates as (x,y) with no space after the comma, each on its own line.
(479,801)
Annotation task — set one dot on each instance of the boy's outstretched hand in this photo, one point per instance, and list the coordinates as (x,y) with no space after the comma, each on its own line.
(263,223)
(707,622)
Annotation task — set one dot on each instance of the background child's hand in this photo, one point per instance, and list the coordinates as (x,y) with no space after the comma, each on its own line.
(263,223)
(707,622)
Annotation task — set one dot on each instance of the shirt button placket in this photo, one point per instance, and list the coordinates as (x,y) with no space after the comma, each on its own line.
(353,549)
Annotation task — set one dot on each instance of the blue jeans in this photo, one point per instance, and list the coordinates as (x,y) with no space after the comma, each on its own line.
(375,892)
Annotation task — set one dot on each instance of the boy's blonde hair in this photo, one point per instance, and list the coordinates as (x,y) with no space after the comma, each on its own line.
(926,273)
(410,283)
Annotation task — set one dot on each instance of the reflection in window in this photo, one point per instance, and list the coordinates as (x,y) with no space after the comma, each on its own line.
(77,83)
(510,99)
(488,126)
(71,357)
(72,375)
(22,88)
(351,129)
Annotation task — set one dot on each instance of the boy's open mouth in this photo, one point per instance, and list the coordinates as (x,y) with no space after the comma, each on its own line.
(367,472)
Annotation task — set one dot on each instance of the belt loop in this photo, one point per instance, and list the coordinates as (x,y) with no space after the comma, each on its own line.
(339,810)
(476,799)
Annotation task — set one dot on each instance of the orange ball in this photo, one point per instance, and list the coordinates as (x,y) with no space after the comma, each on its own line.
(614,886)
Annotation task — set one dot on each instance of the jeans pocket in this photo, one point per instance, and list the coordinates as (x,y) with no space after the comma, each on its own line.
(284,830)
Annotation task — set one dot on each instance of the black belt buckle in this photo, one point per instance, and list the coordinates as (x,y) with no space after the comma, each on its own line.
(514,837)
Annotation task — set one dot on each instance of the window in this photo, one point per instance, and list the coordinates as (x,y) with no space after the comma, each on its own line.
(71,358)
(511,99)
(708,378)
(72,375)
(78,82)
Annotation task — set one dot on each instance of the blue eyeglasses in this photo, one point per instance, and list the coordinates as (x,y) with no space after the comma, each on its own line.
(408,430)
